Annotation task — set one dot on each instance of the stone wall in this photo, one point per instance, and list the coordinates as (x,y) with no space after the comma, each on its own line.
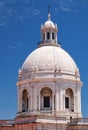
(34,126)
(32,123)
(78,127)
(43,123)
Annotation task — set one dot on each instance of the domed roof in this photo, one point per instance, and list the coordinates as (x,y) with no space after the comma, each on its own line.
(50,58)
(48,24)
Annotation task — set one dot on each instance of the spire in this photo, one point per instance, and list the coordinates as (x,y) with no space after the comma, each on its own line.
(49,13)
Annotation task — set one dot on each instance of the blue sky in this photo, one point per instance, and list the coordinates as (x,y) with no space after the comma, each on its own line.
(20,22)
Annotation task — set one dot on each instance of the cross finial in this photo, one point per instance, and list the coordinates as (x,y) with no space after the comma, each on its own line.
(48,9)
(49,13)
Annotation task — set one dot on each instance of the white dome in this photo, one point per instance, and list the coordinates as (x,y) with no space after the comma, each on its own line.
(48,24)
(50,58)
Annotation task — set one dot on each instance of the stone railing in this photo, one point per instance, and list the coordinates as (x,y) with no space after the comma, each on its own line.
(35,119)
(75,121)
(6,122)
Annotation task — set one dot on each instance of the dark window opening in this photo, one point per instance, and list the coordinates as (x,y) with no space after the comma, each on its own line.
(47,101)
(48,35)
(23,110)
(52,35)
(66,102)
(27,103)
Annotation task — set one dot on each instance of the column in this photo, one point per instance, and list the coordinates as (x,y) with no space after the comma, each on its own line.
(53,102)
(45,36)
(61,100)
(28,102)
(50,35)
(31,98)
(64,96)
(19,100)
(39,101)
(75,103)
(35,99)
(57,98)
(79,100)
(56,37)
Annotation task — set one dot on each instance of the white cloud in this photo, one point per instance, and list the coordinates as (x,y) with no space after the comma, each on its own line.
(2,24)
(68,6)
(17,45)
(2,4)
(13,46)
(66,9)
(35,11)
(17,10)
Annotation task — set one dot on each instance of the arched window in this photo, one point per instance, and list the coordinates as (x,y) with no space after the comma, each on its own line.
(46,98)
(24,100)
(69,99)
(48,35)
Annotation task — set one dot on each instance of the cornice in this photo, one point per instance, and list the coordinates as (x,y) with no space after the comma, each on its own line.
(50,80)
